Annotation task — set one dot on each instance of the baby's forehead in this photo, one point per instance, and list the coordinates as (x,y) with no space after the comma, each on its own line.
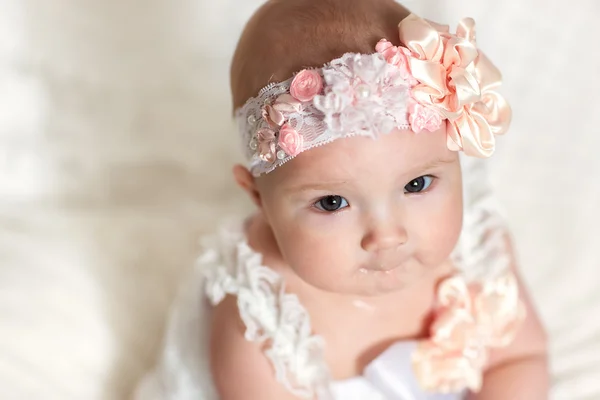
(399,153)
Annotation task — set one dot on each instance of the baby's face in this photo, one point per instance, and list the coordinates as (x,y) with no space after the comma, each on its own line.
(363,216)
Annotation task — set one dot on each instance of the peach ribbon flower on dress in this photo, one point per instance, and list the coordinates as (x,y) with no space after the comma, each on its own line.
(471,319)
(458,81)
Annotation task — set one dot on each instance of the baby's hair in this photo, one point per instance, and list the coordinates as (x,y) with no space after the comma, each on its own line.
(285,36)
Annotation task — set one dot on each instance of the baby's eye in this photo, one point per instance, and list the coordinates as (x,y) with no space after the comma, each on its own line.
(419,184)
(331,203)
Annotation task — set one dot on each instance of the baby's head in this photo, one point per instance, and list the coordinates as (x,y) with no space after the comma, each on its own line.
(358,202)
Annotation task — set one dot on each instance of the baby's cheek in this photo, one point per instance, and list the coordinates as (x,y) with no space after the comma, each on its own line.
(439,236)
(319,264)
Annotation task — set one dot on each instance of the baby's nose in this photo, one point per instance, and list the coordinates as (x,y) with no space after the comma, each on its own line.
(384,238)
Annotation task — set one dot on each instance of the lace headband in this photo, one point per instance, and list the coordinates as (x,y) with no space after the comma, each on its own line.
(435,76)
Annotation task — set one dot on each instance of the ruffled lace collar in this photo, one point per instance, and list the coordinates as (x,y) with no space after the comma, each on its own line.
(271,315)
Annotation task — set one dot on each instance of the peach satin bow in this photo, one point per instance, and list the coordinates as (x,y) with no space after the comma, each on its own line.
(458,81)
(471,320)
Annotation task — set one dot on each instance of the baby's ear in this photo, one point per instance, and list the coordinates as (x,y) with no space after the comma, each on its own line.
(246,181)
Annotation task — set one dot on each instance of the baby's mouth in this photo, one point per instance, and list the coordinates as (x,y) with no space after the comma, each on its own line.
(377,270)
(383,267)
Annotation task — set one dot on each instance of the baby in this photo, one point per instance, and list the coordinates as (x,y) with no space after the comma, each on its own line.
(350,281)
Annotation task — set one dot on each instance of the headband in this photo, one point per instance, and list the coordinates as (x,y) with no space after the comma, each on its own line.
(434,77)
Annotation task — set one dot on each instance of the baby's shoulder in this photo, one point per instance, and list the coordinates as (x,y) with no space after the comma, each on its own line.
(239,367)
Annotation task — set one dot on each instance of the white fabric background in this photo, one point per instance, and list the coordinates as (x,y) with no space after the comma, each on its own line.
(115,148)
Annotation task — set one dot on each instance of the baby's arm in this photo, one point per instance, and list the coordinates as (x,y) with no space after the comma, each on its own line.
(240,369)
(519,371)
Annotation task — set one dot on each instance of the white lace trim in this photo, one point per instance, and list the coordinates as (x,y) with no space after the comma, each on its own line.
(481,253)
(271,315)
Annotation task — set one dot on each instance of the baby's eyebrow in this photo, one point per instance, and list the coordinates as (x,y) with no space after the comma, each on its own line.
(327,185)
(435,163)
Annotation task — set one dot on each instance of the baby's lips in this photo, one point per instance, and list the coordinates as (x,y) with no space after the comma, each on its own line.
(385,266)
